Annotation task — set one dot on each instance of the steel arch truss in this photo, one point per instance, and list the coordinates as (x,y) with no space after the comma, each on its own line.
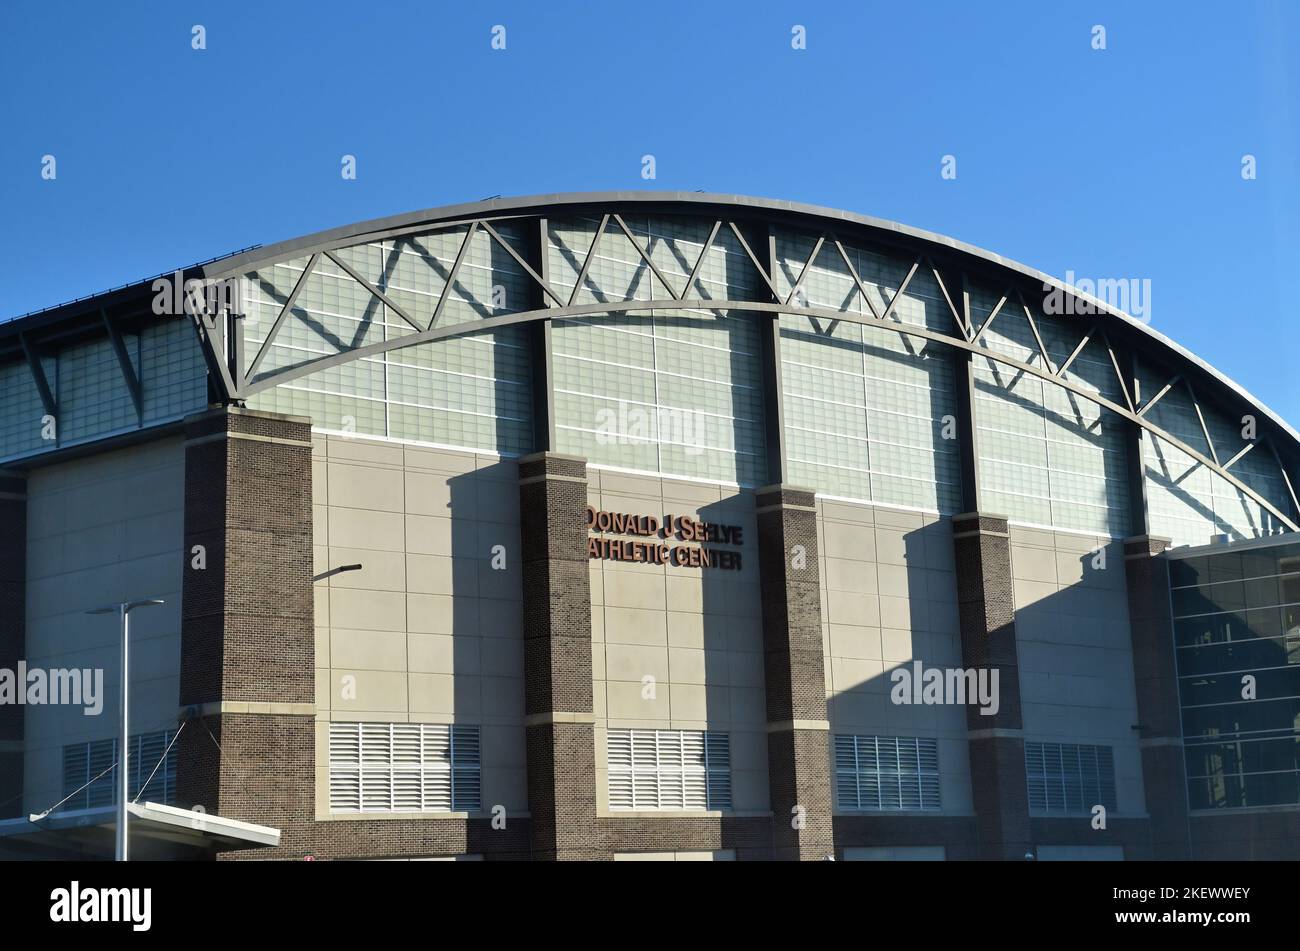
(244,381)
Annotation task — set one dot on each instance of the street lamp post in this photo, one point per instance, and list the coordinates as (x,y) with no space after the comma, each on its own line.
(123,610)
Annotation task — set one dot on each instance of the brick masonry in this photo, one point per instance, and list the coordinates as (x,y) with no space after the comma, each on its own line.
(13,632)
(798,742)
(1155,676)
(560,723)
(247,637)
(986,612)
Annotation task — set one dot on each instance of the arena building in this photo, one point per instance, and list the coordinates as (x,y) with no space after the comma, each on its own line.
(643,525)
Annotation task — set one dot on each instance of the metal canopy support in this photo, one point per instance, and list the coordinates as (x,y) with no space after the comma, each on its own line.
(38,374)
(129,375)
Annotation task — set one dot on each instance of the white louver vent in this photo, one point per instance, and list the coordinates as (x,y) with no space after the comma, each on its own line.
(669,769)
(877,773)
(404,767)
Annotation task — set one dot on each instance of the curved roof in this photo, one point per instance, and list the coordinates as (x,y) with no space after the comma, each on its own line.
(812,216)
(233,379)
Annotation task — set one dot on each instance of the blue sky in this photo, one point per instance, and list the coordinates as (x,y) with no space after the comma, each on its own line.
(1119,163)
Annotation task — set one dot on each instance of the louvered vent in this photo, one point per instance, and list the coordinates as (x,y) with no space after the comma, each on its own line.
(1069,778)
(879,773)
(404,767)
(83,762)
(669,769)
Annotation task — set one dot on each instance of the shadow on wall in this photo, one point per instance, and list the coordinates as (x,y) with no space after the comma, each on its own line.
(484,627)
(915,616)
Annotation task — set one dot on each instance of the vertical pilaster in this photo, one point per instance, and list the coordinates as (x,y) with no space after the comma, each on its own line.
(13,633)
(559,717)
(986,606)
(247,642)
(540,342)
(1134,467)
(1156,678)
(769,328)
(798,748)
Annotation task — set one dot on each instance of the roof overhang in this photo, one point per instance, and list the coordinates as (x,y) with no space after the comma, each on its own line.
(157,831)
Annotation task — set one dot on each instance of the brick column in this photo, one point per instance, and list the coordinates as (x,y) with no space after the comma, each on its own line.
(13,633)
(1155,675)
(798,731)
(986,606)
(247,641)
(558,711)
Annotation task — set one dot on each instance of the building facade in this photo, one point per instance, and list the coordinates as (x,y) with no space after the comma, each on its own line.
(643,525)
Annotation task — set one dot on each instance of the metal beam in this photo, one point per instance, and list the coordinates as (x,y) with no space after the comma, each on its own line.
(586,261)
(997,309)
(645,256)
(690,281)
(528,269)
(862,288)
(372,289)
(1038,338)
(964,387)
(489,324)
(1139,508)
(1286,478)
(450,283)
(280,318)
(902,288)
(1087,336)
(773,394)
(1200,417)
(1119,374)
(38,374)
(947,297)
(803,271)
(124,363)
(767,278)
(540,344)
(1143,407)
(1241,452)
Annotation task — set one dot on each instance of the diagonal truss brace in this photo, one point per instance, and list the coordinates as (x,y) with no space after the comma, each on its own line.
(129,375)
(38,374)
(966,337)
